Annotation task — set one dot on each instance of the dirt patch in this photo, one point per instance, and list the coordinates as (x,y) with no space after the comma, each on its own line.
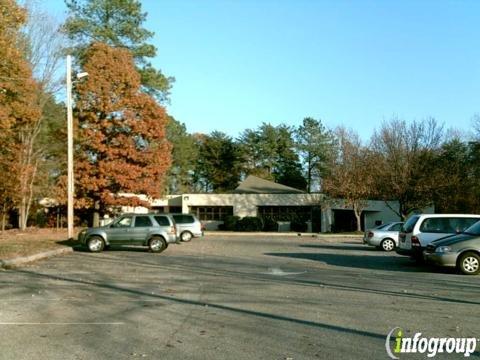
(16,243)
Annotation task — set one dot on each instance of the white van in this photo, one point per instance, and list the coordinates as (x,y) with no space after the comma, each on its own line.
(420,230)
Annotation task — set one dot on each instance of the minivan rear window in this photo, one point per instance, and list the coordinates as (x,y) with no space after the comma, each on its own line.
(410,224)
(183,219)
(446,225)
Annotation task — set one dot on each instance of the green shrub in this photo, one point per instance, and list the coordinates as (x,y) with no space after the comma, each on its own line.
(269,224)
(249,223)
(229,223)
(298,225)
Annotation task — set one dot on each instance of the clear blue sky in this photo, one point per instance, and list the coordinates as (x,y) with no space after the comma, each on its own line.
(240,63)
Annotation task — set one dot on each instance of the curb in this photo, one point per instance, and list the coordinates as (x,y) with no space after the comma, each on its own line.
(12,263)
(288,234)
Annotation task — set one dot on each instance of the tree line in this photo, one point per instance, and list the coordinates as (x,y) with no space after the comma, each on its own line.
(125,142)
(416,163)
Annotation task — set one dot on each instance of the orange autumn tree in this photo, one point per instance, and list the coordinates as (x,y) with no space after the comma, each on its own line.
(19,112)
(121,143)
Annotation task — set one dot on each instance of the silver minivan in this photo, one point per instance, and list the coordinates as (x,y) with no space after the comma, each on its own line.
(420,230)
(188,226)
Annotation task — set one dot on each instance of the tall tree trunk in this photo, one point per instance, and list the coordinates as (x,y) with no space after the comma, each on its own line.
(96,218)
(309,174)
(4,217)
(96,214)
(22,221)
(358,214)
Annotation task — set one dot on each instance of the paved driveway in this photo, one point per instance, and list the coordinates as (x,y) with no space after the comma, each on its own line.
(229,298)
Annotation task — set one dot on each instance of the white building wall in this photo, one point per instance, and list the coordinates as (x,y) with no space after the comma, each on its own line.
(247,204)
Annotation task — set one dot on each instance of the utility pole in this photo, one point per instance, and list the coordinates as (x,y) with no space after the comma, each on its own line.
(70,188)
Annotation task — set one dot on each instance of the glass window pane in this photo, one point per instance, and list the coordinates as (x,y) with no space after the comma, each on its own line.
(162,220)
(142,221)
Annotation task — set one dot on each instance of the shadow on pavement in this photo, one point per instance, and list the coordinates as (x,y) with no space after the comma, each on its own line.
(371,262)
(201,304)
(82,248)
(342,247)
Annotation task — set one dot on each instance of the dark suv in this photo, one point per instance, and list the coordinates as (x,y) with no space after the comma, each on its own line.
(153,230)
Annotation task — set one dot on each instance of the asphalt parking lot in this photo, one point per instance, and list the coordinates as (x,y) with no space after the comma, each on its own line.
(230,298)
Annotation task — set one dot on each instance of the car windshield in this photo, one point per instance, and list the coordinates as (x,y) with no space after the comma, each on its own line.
(410,224)
(474,229)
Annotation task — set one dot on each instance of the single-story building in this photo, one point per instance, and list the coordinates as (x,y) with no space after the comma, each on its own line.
(262,198)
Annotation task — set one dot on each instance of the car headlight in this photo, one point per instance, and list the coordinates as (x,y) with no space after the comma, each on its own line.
(444,249)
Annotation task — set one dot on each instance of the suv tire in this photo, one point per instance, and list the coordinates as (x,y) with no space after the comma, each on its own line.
(157,244)
(95,244)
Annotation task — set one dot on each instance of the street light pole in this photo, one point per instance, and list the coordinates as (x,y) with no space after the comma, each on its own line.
(70,187)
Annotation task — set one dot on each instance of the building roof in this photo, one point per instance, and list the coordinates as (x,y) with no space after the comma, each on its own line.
(255,185)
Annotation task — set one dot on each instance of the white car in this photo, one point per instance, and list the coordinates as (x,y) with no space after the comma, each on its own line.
(420,230)
(384,236)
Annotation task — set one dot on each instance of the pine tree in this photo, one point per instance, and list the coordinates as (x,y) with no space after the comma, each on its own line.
(117,23)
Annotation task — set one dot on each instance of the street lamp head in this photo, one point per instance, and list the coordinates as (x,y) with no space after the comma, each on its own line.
(81,75)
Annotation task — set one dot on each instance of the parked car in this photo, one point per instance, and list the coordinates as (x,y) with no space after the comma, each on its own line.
(420,230)
(461,251)
(153,230)
(384,236)
(188,226)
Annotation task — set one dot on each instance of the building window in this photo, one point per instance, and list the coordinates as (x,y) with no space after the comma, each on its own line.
(211,212)
(285,213)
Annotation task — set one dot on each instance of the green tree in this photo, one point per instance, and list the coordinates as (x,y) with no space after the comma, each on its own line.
(219,164)
(315,145)
(455,178)
(287,167)
(269,152)
(117,23)
(251,152)
(184,157)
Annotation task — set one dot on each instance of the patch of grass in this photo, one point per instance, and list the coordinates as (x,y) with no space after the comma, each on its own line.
(15,243)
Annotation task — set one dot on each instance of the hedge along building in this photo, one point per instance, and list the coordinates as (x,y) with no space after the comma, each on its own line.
(265,199)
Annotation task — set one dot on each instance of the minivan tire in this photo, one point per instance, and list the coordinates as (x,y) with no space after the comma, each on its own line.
(157,244)
(469,263)
(387,245)
(95,244)
(186,236)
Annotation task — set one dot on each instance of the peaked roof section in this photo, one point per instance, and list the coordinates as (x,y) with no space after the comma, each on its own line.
(256,185)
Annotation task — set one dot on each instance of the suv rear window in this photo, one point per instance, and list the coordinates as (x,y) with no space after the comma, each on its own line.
(183,219)
(410,224)
(143,221)
(162,220)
